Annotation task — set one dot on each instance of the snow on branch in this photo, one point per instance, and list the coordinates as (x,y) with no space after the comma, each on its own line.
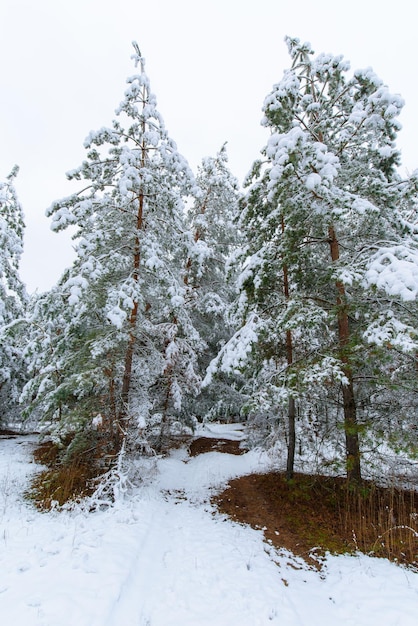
(389,331)
(395,270)
(234,354)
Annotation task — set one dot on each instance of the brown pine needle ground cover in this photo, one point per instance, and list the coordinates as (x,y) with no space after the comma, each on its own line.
(206,444)
(311,515)
(5,433)
(315,514)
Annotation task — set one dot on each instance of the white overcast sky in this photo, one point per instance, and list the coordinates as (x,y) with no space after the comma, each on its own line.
(64,64)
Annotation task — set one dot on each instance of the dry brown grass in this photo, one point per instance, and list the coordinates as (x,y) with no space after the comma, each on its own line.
(67,477)
(311,515)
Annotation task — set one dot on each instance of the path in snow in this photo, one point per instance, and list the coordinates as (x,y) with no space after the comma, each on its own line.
(163,557)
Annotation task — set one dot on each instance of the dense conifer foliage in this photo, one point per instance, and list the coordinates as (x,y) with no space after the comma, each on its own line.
(291,305)
(13,299)
(128,345)
(329,264)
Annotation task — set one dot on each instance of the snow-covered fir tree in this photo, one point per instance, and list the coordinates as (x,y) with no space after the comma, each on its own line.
(131,341)
(13,299)
(330,271)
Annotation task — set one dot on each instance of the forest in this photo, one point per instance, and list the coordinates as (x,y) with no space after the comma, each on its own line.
(287,304)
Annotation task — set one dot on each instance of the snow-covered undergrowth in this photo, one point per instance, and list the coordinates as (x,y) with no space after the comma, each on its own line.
(163,557)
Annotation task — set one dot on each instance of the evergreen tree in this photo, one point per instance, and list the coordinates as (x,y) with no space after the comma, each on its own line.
(13,299)
(126,290)
(331,263)
(67,387)
(212,220)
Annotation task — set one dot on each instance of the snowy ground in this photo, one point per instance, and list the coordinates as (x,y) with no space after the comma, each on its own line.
(163,557)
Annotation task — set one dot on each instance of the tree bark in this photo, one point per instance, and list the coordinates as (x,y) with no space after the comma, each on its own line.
(291,418)
(127,374)
(353,464)
(291,408)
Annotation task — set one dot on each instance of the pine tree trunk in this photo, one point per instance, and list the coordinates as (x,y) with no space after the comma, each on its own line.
(127,374)
(353,465)
(351,434)
(129,354)
(291,408)
(291,416)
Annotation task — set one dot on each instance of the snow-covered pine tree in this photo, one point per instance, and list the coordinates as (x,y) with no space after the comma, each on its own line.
(212,220)
(66,385)
(13,299)
(126,290)
(325,215)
